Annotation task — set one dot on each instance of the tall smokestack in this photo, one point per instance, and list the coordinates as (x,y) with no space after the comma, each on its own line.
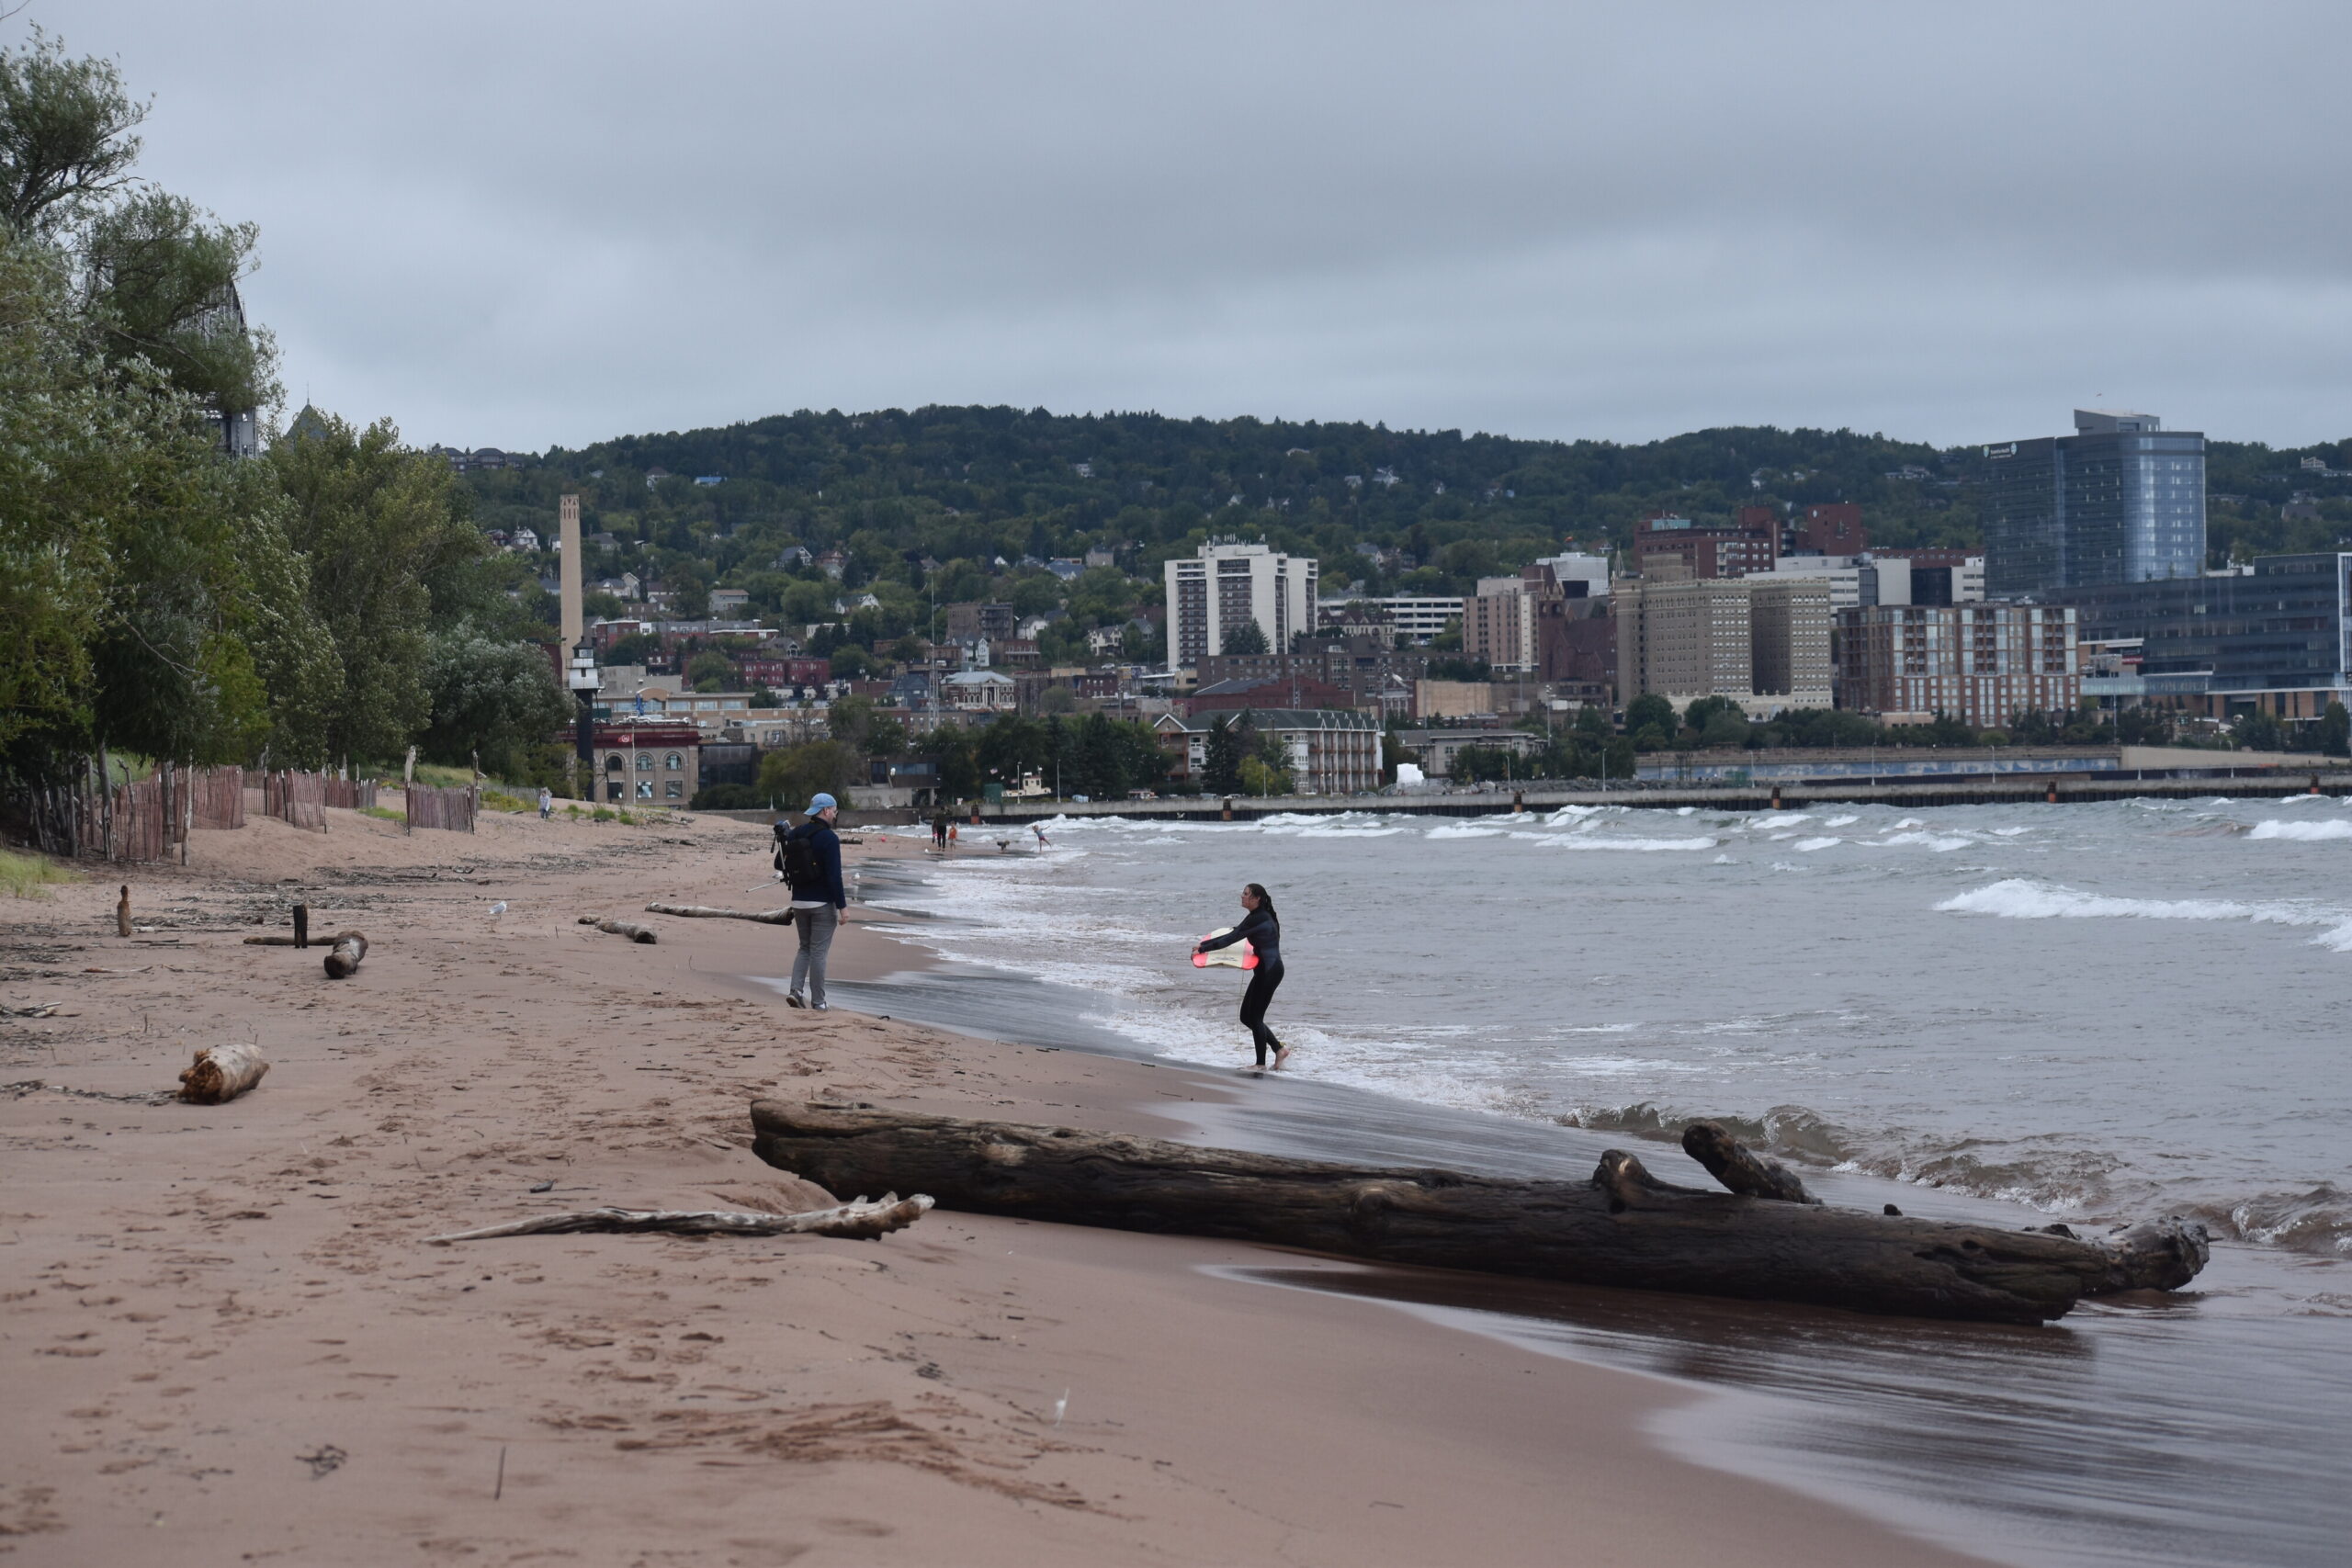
(576,620)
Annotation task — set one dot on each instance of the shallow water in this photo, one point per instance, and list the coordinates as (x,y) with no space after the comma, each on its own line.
(2085,1011)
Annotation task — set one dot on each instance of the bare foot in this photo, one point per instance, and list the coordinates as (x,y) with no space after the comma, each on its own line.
(1280,1058)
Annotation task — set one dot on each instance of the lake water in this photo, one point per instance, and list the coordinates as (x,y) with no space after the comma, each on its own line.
(2076,1013)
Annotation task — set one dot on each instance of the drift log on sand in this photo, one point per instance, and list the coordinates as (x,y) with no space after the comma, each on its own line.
(621,927)
(221,1073)
(704,912)
(343,960)
(858,1221)
(1623,1227)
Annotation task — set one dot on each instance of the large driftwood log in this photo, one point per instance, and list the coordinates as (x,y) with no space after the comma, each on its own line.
(221,1073)
(706,913)
(343,960)
(860,1220)
(1623,1227)
(622,928)
(1732,1163)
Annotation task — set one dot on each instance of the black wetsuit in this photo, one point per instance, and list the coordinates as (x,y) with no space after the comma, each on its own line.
(1265,935)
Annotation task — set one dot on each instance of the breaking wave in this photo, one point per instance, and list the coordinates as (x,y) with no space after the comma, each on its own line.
(2336,827)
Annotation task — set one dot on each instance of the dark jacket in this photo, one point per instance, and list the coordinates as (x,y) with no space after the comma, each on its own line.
(828,845)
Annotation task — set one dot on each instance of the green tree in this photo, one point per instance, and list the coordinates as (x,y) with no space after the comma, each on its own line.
(793,776)
(1650,711)
(492,699)
(1221,766)
(379,523)
(710,670)
(161,284)
(1247,637)
(2334,731)
(65,136)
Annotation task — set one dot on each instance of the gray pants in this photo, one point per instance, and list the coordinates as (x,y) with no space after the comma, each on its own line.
(816,927)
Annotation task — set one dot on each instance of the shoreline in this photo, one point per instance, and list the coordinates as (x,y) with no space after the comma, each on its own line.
(223,1323)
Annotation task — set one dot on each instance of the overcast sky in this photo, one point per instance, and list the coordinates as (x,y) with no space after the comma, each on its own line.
(516,224)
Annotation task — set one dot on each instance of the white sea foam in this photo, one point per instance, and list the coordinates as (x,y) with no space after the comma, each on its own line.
(1462,831)
(1942,843)
(2334,828)
(1785,819)
(1841,821)
(1597,842)
(2021,898)
(1808,845)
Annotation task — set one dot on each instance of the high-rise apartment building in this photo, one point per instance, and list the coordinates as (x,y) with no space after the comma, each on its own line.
(1212,597)
(1983,664)
(2120,500)
(1498,624)
(1762,641)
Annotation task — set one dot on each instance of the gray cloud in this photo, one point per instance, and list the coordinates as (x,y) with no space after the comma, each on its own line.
(525,224)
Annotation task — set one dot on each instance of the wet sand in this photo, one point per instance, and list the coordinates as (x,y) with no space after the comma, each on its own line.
(227,1340)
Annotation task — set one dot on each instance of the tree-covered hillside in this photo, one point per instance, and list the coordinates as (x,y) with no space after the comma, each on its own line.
(965,486)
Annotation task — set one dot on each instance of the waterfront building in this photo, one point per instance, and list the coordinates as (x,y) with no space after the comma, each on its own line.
(2120,500)
(1330,750)
(1438,749)
(1983,664)
(1226,586)
(2275,637)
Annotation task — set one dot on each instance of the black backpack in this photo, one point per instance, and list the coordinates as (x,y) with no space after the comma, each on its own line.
(796,856)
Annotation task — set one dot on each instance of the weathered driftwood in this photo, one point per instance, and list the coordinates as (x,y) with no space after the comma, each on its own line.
(221,1073)
(1739,1169)
(859,1220)
(706,913)
(280,941)
(1623,1227)
(621,927)
(343,960)
(123,912)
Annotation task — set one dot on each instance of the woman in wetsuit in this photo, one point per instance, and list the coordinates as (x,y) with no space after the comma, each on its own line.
(1265,934)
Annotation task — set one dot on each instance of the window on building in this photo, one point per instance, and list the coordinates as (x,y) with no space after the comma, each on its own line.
(612,763)
(645,789)
(645,762)
(674,789)
(672,762)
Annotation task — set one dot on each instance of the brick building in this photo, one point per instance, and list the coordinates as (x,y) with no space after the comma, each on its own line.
(648,765)
(1753,544)
(1981,663)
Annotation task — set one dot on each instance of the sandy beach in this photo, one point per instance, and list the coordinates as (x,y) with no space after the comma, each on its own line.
(227,1340)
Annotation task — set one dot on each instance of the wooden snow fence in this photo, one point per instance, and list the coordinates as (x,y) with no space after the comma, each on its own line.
(349,795)
(131,822)
(298,800)
(452,809)
(216,798)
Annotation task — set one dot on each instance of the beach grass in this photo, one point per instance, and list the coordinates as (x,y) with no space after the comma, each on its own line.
(25,875)
(383,812)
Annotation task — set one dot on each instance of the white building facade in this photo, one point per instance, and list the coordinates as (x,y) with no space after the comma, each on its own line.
(1212,597)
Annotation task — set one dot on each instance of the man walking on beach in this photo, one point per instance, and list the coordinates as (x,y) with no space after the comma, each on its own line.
(547,802)
(812,864)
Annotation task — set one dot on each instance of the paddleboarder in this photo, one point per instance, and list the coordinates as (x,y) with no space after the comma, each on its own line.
(1264,933)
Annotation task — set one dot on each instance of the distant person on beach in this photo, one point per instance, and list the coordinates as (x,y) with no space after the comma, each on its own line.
(547,802)
(950,835)
(939,832)
(1043,841)
(812,864)
(1265,936)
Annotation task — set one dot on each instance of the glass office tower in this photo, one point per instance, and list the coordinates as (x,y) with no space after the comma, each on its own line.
(2120,501)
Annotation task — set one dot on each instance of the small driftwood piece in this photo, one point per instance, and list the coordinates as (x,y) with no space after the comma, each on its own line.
(706,913)
(1741,1170)
(220,1072)
(123,912)
(622,928)
(344,961)
(280,941)
(860,1220)
(1624,1226)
